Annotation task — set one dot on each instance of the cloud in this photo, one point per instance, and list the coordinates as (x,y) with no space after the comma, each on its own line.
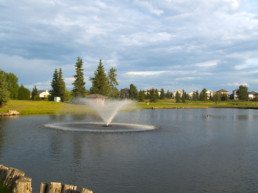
(148,6)
(208,64)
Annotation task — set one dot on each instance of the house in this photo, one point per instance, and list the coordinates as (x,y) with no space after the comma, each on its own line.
(191,95)
(252,95)
(43,94)
(222,92)
(148,92)
(210,94)
(234,94)
(179,92)
(125,92)
(97,99)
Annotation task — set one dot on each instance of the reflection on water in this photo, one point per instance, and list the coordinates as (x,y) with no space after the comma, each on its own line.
(195,150)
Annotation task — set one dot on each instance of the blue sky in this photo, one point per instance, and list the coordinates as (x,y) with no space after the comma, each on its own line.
(170,44)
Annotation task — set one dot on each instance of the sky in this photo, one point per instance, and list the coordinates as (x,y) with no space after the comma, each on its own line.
(170,44)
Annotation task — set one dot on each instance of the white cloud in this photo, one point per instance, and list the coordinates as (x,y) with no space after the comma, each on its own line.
(146,5)
(145,73)
(208,63)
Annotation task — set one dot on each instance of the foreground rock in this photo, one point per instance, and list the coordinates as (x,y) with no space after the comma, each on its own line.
(10,113)
(17,182)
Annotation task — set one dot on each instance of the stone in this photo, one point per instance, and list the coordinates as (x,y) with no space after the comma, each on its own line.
(43,187)
(85,190)
(22,185)
(69,188)
(12,175)
(3,172)
(54,187)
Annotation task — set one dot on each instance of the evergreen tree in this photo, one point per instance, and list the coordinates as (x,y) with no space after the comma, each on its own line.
(197,95)
(153,95)
(141,96)
(100,84)
(184,97)
(4,94)
(23,93)
(61,86)
(217,97)
(168,94)
(79,84)
(177,97)
(162,94)
(114,93)
(133,94)
(54,85)
(242,93)
(34,94)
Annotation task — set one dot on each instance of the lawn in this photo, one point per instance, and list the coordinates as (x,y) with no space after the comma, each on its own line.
(4,189)
(47,107)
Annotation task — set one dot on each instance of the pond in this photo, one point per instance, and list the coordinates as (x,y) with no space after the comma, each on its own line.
(192,150)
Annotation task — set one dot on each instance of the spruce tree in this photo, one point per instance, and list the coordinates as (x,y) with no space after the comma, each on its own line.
(54,85)
(34,94)
(133,93)
(177,97)
(153,95)
(162,94)
(100,84)
(141,96)
(4,94)
(61,86)
(79,89)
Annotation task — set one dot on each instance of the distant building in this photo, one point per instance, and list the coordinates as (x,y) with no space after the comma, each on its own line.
(125,92)
(148,92)
(251,95)
(210,94)
(222,92)
(97,98)
(179,92)
(191,94)
(43,94)
(234,94)
(57,99)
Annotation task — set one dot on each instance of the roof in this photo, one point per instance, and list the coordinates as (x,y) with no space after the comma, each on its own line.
(222,90)
(96,96)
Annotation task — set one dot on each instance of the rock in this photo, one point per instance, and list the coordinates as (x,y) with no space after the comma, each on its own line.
(3,172)
(54,187)
(69,189)
(12,175)
(84,190)
(22,185)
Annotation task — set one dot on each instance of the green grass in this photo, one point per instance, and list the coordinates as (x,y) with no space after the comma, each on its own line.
(47,107)
(4,189)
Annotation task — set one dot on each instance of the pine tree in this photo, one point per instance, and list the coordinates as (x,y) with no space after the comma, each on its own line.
(61,86)
(100,83)
(203,95)
(141,96)
(133,94)
(79,89)
(153,95)
(34,94)
(23,93)
(54,85)
(177,97)
(4,94)
(162,94)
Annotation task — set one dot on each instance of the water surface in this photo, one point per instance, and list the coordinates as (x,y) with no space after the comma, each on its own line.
(194,150)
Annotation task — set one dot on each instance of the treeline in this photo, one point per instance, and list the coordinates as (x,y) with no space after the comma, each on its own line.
(10,89)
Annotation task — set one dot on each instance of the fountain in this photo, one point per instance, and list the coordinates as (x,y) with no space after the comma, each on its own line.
(107,110)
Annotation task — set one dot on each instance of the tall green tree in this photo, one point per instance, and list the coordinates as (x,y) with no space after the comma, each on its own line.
(203,95)
(184,97)
(168,94)
(79,89)
(54,85)
(162,94)
(242,93)
(217,97)
(4,93)
(34,94)
(13,85)
(61,86)
(133,94)
(141,96)
(23,93)
(178,97)
(114,93)
(100,84)
(153,95)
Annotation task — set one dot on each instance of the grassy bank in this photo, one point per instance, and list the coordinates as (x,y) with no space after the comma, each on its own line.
(4,189)
(47,107)
(170,103)
(44,107)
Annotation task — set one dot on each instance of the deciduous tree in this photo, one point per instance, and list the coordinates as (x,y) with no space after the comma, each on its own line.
(242,93)
(133,94)
(23,93)
(4,93)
